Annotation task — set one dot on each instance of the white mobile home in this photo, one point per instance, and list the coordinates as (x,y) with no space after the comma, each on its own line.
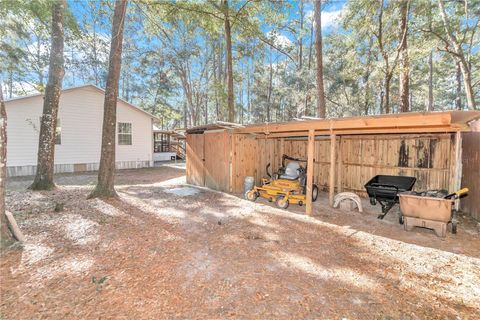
(79,132)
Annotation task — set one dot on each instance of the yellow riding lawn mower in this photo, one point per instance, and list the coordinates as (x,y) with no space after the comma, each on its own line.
(287,185)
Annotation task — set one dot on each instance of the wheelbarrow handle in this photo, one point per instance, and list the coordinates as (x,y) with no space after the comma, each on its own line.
(384,185)
(457,194)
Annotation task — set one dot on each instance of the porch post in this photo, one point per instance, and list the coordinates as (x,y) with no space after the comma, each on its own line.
(310,153)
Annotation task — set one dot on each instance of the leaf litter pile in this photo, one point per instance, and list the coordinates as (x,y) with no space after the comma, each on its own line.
(166,250)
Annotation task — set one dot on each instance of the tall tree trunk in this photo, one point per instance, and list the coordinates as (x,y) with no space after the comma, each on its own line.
(72,63)
(206,108)
(300,105)
(95,55)
(300,40)
(321,108)
(460,56)
(206,95)
(106,172)
(381,99)
(458,93)
(185,114)
(127,90)
(467,83)
(270,88)
(249,110)
(404,63)
(46,143)
(388,71)
(430,82)
(215,79)
(310,50)
(6,238)
(241,100)
(388,80)
(430,66)
(220,62)
(10,80)
(228,40)
(366,77)
(40,64)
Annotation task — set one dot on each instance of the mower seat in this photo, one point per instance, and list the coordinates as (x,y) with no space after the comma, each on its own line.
(292,171)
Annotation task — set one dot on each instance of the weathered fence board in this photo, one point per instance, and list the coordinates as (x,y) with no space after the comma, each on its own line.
(228,158)
(195,156)
(471,173)
(217,157)
(427,157)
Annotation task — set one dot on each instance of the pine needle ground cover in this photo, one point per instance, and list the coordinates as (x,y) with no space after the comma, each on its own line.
(157,253)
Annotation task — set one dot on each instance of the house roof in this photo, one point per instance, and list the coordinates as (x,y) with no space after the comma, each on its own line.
(411,122)
(98,89)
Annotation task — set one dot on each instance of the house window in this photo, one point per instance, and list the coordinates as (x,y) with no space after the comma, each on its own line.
(124,133)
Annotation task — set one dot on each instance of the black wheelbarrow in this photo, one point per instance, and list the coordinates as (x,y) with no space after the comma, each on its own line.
(385,189)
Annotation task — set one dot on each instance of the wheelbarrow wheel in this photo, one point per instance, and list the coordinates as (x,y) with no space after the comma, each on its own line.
(281,202)
(373,201)
(454,227)
(314,192)
(401,219)
(251,195)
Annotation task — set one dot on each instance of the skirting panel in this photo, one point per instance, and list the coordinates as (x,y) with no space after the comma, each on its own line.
(19,171)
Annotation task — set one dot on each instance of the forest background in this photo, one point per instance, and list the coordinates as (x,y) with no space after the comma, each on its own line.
(175,56)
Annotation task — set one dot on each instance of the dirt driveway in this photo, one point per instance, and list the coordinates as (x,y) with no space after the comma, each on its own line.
(166,250)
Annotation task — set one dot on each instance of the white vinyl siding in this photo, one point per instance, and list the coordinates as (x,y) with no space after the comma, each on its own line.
(81,114)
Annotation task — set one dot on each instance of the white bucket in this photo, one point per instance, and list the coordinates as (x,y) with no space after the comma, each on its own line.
(248,184)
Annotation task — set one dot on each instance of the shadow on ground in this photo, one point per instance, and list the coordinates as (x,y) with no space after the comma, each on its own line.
(164,249)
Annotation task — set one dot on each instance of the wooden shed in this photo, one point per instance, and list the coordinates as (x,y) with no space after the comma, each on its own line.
(344,153)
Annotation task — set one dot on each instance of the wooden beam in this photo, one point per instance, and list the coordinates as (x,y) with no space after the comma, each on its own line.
(391,121)
(282,147)
(331,182)
(340,166)
(310,153)
(358,131)
(457,172)
(413,129)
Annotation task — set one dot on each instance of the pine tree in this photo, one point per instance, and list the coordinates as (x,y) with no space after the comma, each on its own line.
(46,145)
(106,173)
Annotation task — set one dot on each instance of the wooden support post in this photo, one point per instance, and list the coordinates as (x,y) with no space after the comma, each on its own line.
(340,166)
(310,153)
(457,173)
(331,183)
(230,151)
(282,150)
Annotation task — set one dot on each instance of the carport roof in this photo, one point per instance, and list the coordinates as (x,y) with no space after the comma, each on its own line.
(412,122)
